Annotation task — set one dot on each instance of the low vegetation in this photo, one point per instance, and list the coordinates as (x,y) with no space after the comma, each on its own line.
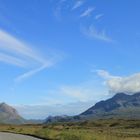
(110,129)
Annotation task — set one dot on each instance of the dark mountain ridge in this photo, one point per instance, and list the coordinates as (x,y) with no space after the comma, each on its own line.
(120,105)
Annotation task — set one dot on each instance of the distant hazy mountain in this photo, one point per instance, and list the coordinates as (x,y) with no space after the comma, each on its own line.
(35,121)
(119,106)
(64,118)
(53,119)
(8,115)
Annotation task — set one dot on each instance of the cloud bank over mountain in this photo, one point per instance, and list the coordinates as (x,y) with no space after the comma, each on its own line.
(127,84)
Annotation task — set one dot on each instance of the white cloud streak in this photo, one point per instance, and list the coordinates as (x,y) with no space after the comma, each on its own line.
(15,52)
(12,60)
(99,16)
(78,4)
(14,45)
(116,84)
(87,12)
(78,93)
(93,33)
(30,73)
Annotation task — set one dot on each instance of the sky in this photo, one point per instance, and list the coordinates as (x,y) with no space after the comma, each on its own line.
(60,57)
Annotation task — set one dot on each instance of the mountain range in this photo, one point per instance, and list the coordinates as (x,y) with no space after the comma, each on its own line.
(119,106)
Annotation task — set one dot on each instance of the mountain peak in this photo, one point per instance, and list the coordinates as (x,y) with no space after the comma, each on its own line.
(3,104)
(120,104)
(6,108)
(120,96)
(9,115)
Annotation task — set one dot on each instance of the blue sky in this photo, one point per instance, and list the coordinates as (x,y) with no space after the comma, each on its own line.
(57,54)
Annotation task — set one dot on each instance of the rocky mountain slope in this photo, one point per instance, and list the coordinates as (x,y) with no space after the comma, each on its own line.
(119,106)
(9,115)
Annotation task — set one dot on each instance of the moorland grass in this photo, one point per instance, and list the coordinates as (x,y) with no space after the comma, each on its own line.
(110,129)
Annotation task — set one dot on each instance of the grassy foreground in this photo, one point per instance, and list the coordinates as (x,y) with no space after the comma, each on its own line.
(93,130)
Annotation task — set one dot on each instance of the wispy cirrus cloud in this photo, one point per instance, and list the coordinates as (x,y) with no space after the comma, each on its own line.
(58,9)
(12,45)
(31,72)
(93,33)
(78,93)
(78,4)
(12,60)
(99,16)
(87,12)
(15,52)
